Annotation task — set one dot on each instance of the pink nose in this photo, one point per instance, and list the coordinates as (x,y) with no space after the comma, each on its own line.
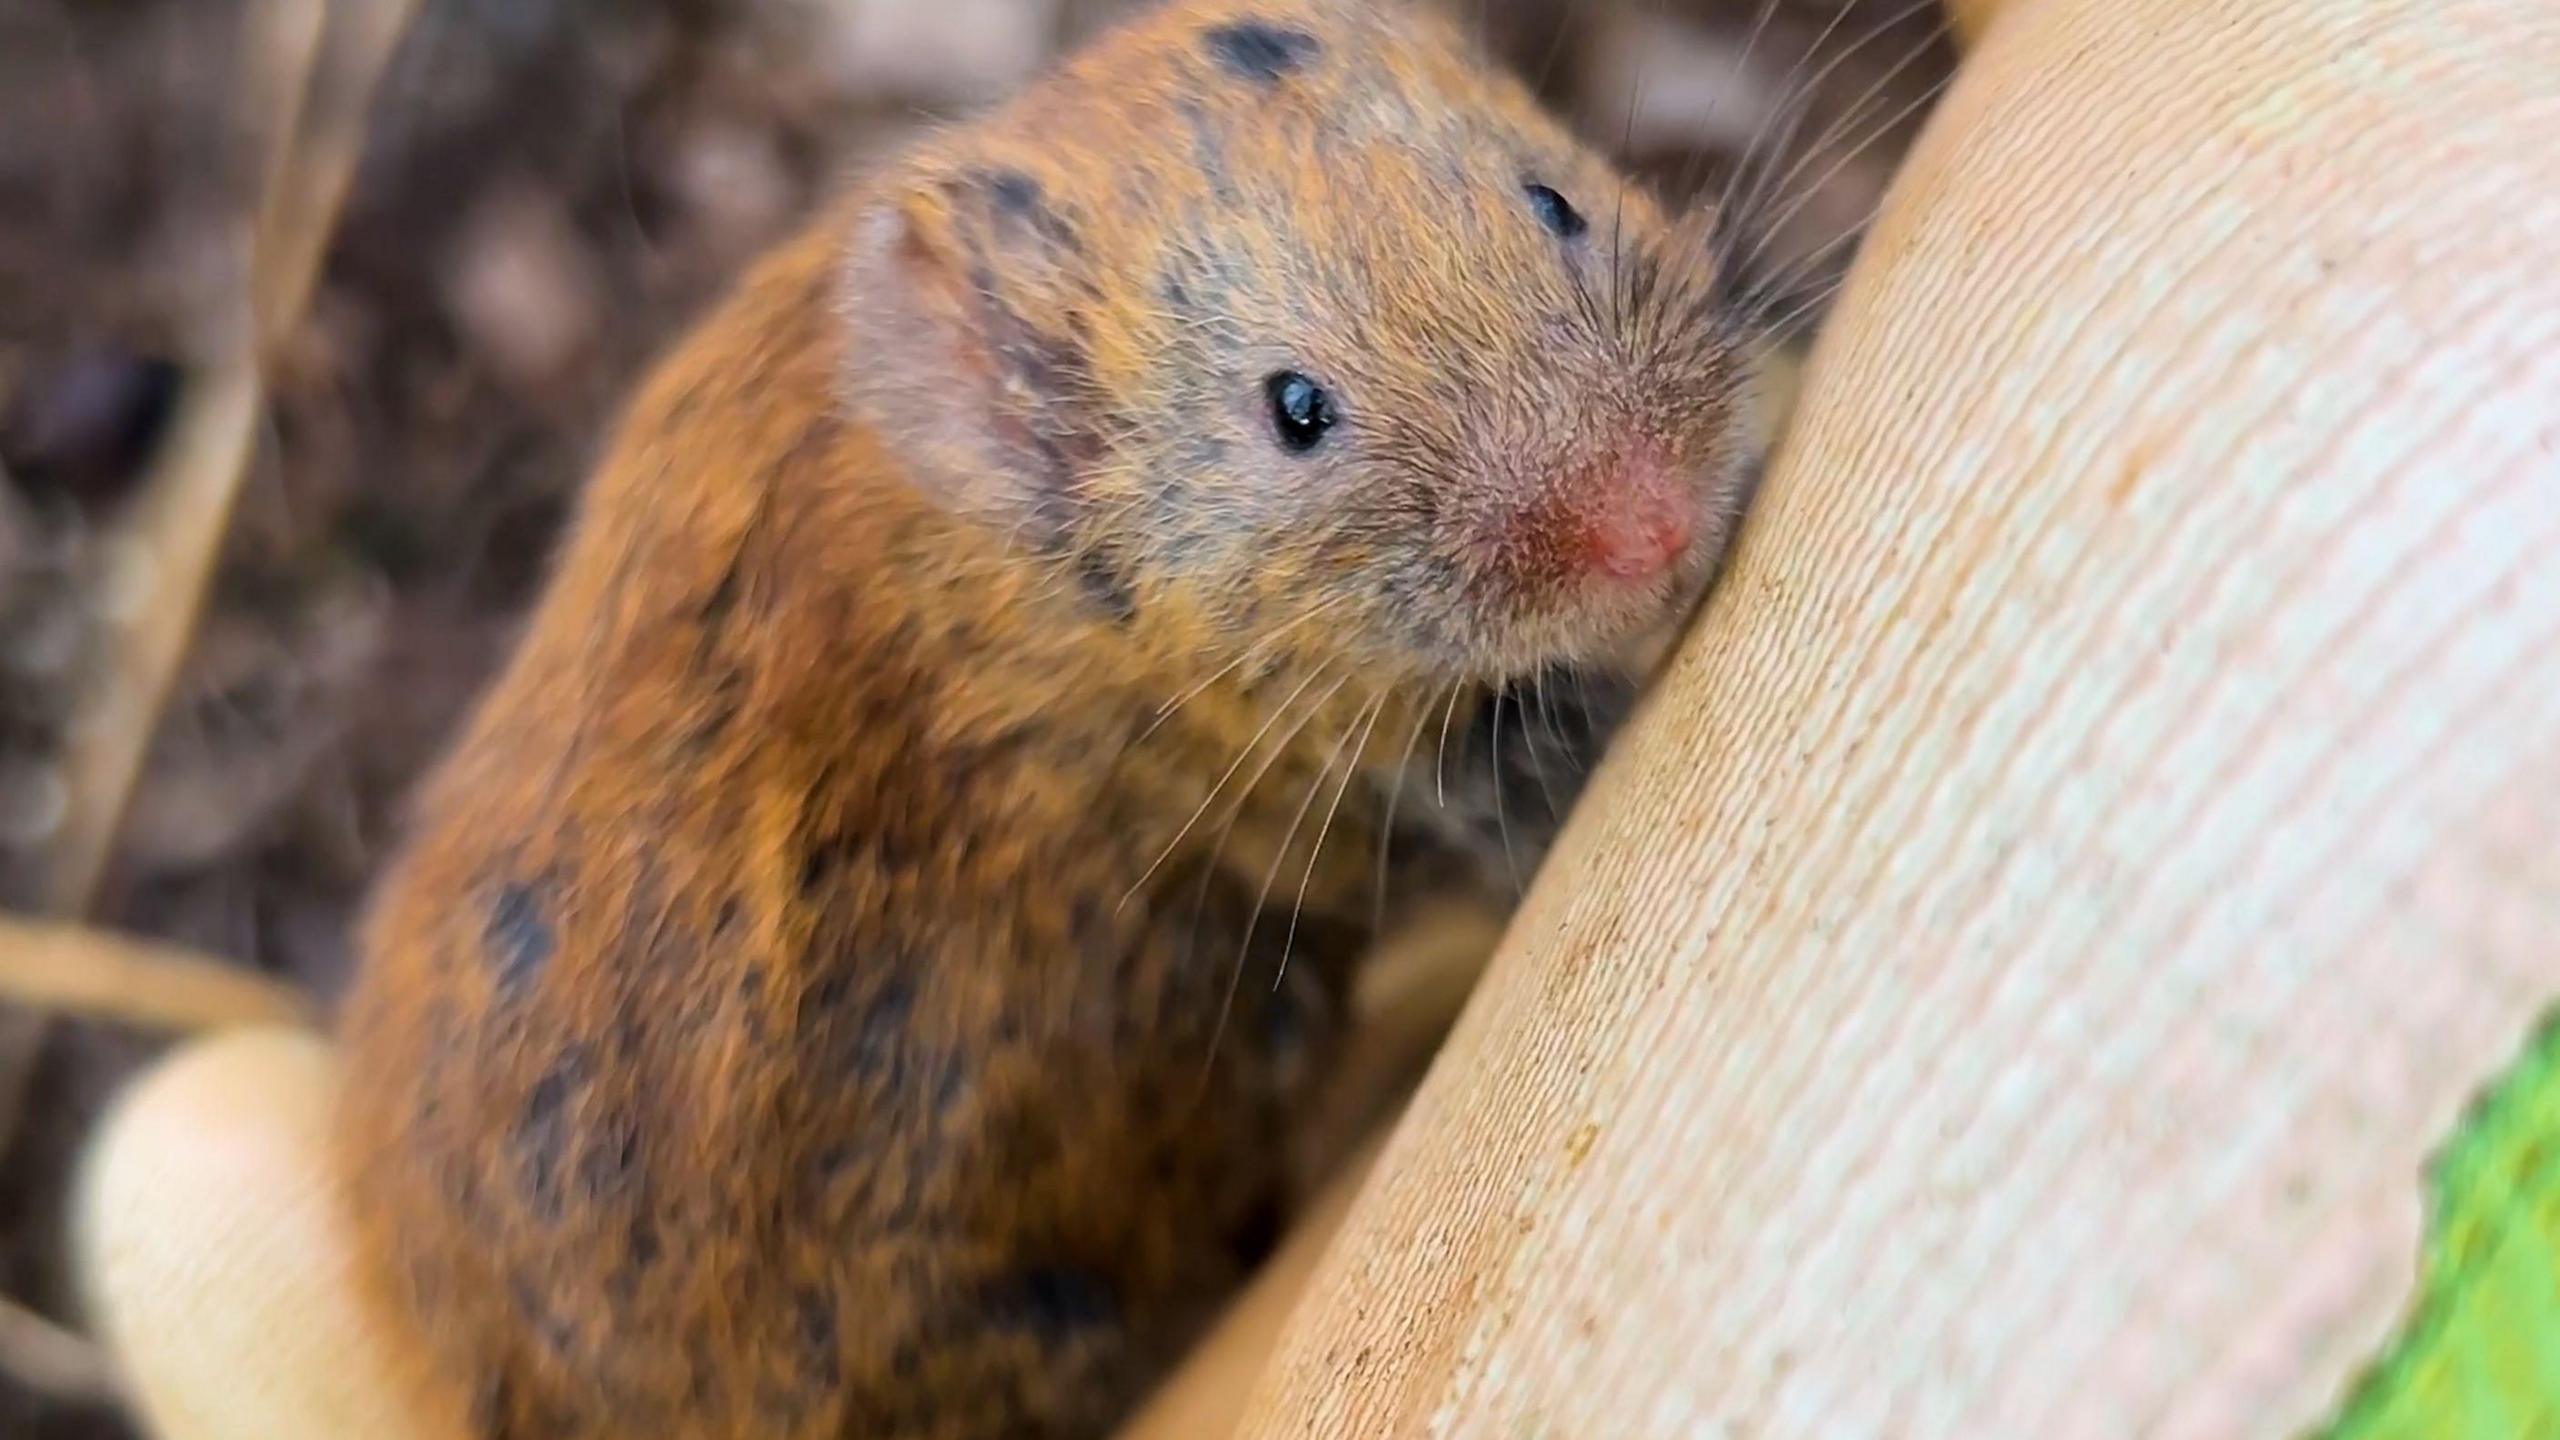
(1641,531)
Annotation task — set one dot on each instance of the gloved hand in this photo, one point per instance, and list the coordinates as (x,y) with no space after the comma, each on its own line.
(216,1256)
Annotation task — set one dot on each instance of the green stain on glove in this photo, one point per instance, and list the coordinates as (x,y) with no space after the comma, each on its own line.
(2479,1357)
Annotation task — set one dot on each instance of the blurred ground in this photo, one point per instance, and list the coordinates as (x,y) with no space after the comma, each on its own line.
(549,189)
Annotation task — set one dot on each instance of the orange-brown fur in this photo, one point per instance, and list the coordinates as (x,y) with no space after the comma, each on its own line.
(856,974)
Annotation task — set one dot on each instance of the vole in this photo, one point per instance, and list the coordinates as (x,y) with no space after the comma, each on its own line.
(857,970)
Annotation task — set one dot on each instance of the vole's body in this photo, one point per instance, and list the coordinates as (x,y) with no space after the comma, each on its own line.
(838,985)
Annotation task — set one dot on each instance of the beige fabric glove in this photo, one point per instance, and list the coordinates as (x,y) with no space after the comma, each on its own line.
(216,1257)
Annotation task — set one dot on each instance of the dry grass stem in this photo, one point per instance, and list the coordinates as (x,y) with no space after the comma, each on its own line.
(312,73)
(72,969)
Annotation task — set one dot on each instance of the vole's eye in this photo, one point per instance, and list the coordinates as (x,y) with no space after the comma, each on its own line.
(1554,211)
(1300,410)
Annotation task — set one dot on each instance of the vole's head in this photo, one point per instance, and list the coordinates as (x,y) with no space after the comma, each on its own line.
(1261,306)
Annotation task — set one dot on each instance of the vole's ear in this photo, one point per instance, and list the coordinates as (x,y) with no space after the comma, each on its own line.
(962,349)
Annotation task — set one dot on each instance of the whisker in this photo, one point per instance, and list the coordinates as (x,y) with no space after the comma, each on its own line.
(1853,115)
(1555,727)
(1780,284)
(1529,742)
(1166,711)
(1280,857)
(1803,94)
(1782,328)
(1501,824)
(1589,308)
(1882,129)
(1238,763)
(1235,978)
(1617,224)
(1289,837)
(1791,97)
(1395,800)
(1440,765)
(1377,707)
(1555,51)
(1760,17)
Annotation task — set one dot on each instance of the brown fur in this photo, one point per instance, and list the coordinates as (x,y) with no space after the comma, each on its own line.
(857,973)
